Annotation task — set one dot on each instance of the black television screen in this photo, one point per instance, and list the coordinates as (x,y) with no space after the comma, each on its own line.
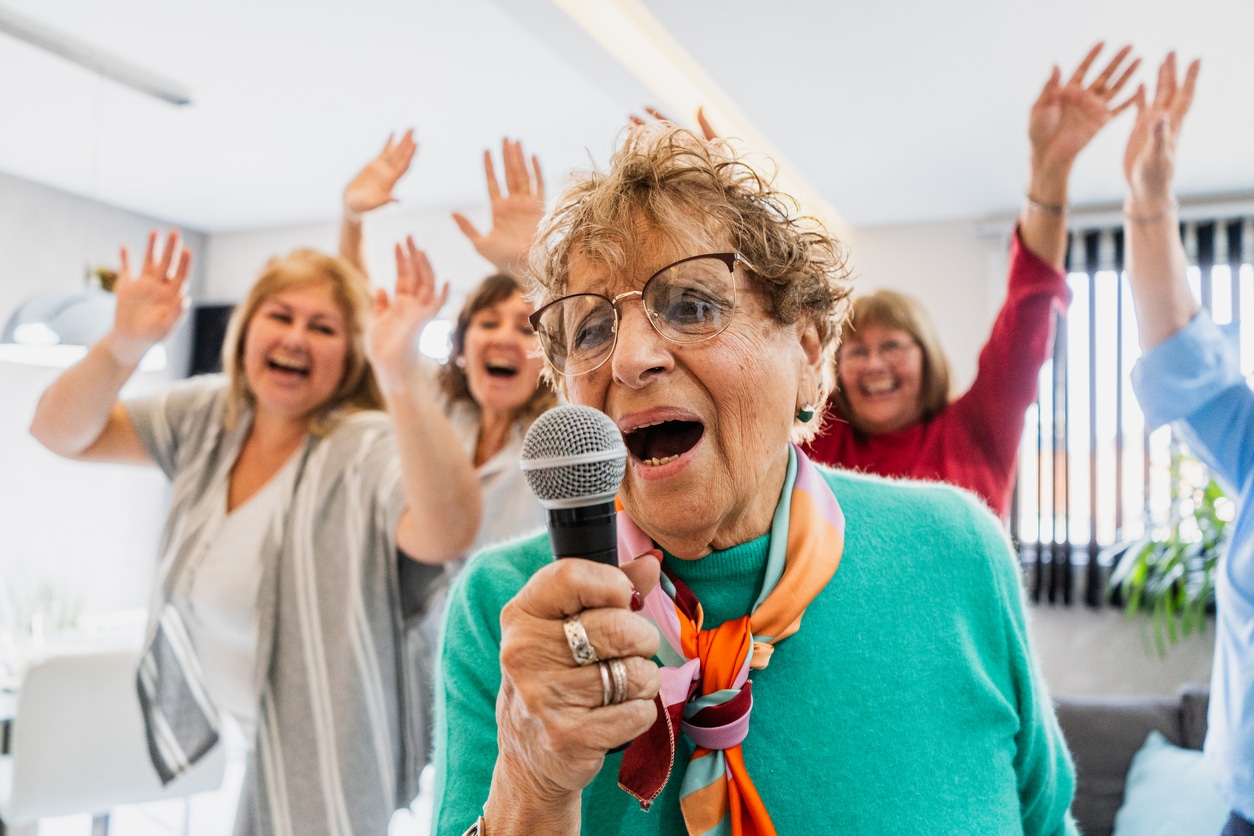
(208,331)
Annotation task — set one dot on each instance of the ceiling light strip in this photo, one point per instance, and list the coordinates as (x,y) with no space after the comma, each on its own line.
(630,33)
(89,57)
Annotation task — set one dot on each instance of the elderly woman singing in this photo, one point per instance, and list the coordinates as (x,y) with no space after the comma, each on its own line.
(792,649)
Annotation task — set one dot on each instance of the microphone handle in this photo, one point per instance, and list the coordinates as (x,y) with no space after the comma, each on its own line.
(589,531)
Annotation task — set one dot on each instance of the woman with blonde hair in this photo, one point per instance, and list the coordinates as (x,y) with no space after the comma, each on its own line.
(278,598)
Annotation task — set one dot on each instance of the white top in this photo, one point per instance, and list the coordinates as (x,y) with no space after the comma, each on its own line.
(219,591)
(510,509)
(341,730)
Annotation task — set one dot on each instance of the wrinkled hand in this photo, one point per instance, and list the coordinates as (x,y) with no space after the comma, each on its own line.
(372,186)
(149,305)
(515,215)
(553,730)
(707,130)
(393,341)
(1065,117)
(1149,160)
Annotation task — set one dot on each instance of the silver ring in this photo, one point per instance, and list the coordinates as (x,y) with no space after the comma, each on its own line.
(577,637)
(607,687)
(619,671)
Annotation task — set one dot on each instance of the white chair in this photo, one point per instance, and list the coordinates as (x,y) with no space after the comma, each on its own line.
(78,745)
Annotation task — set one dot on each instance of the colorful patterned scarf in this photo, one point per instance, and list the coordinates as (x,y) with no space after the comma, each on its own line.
(705,688)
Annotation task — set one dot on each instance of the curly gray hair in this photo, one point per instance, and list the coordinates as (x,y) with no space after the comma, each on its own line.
(665,181)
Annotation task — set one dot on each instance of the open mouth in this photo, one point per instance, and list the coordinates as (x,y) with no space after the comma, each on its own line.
(288,365)
(880,387)
(498,368)
(663,442)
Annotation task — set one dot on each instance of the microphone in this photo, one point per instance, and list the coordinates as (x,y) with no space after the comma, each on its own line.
(574,458)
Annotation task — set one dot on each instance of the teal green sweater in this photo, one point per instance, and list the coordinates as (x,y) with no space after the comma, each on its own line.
(909,702)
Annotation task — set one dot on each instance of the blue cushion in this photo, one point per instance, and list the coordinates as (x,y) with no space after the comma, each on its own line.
(1169,792)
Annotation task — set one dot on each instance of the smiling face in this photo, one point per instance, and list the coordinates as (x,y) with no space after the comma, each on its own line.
(500,356)
(295,351)
(706,424)
(881,376)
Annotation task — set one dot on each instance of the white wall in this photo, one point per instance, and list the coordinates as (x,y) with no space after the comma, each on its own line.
(1086,652)
(89,531)
(234,259)
(959,278)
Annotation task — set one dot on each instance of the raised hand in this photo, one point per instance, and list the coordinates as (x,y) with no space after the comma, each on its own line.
(707,130)
(1149,160)
(515,214)
(393,342)
(372,186)
(1065,117)
(150,304)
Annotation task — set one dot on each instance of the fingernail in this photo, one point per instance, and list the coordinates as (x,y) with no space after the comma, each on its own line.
(637,603)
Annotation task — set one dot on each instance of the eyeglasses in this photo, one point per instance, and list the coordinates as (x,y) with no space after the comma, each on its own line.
(891,352)
(686,302)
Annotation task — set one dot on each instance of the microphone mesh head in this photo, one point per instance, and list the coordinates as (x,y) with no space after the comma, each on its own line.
(556,453)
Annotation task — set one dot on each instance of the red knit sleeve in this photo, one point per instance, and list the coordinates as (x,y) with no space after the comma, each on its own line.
(992,410)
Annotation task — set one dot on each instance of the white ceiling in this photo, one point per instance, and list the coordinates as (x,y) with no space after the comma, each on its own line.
(895,112)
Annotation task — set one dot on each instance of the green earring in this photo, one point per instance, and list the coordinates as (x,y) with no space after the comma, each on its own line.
(806,413)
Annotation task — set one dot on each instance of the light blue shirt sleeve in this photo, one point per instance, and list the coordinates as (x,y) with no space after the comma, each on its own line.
(1195,377)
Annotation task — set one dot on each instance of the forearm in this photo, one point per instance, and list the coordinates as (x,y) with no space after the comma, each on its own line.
(74,411)
(441,487)
(1019,343)
(1157,269)
(1043,230)
(350,241)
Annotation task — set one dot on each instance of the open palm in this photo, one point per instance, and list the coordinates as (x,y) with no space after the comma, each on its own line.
(1065,117)
(516,213)
(151,303)
(1149,159)
(399,320)
(372,186)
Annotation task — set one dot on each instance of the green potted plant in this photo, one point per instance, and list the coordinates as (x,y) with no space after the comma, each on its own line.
(1168,575)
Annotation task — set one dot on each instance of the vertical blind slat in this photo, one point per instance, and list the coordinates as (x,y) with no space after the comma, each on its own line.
(1109,447)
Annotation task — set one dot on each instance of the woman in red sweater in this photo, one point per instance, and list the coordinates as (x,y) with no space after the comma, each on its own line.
(891,410)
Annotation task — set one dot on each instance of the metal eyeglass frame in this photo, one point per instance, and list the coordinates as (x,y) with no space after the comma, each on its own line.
(729,259)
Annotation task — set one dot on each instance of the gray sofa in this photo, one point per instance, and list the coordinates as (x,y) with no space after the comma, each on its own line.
(1104,733)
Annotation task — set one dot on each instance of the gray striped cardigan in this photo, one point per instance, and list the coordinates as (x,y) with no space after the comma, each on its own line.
(340,736)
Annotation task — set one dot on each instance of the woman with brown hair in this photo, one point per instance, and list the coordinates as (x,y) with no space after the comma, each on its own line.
(891,413)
